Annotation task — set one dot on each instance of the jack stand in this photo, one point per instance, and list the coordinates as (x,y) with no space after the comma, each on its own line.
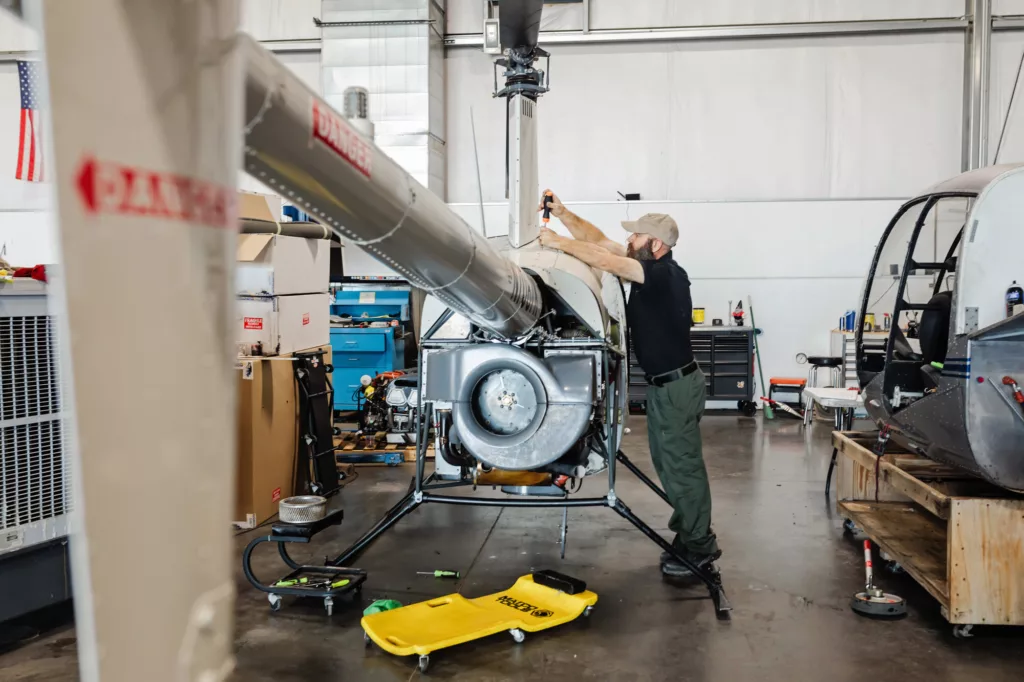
(873,601)
(422,490)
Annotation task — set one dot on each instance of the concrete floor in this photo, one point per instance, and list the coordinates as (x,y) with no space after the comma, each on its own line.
(788,570)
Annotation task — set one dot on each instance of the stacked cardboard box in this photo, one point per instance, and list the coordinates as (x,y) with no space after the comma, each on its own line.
(282,284)
(283,307)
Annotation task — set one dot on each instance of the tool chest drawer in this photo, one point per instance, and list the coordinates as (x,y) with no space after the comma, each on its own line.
(358,340)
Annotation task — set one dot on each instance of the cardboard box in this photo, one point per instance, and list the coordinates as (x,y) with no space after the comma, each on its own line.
(282,324)
(256,206)
(273,265)
(267,437)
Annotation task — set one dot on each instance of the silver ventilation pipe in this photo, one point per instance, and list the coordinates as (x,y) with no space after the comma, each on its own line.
(301,148)
(301,230)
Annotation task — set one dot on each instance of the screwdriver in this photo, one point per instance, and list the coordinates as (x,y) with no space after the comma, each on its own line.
(547,206)
(454,575)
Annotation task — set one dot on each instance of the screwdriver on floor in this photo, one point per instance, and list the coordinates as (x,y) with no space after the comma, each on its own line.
(452,575)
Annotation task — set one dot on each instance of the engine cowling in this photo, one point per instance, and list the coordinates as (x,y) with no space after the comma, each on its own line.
(512,409)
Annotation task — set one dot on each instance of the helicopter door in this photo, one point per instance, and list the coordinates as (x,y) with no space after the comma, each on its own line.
(916,344)
(881,287)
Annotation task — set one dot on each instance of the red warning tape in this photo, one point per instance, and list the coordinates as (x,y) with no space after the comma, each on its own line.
(114,188)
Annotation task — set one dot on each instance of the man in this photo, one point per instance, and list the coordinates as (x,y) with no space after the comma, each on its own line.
(659,314)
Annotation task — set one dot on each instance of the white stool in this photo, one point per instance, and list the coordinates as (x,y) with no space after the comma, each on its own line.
(835,364)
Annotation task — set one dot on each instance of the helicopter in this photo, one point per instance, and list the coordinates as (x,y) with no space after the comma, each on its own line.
(951,257)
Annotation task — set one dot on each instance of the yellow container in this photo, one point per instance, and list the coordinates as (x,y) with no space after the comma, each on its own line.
(869,322)
(698,316)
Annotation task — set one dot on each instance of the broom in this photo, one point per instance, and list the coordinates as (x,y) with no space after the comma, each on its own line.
(768,413)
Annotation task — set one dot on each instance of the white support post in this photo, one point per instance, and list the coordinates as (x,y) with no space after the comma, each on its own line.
(146,111)
(980,67)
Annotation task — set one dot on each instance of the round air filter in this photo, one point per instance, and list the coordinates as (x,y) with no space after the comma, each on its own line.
(302,509)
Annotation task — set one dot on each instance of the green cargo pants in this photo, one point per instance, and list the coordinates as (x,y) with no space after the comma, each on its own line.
(673,429)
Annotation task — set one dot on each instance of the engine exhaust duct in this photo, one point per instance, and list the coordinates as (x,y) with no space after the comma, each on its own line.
(300,147)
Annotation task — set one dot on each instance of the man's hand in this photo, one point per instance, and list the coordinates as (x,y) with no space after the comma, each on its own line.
(580,229)
(558,209)
(551,240)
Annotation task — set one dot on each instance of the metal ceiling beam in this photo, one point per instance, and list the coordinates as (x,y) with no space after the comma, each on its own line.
(295,45)
(308,45)
(742,31)
(1008,23)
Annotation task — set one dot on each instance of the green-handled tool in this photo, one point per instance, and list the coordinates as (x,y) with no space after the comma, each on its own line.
(452,575)
(316,584)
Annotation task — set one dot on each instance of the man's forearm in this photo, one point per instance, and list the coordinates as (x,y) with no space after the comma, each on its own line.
(601,258)
(583,230)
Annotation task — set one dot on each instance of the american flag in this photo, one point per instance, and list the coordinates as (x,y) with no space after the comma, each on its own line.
(30,141)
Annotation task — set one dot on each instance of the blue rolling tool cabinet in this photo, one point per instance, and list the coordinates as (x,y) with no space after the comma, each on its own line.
(359,348)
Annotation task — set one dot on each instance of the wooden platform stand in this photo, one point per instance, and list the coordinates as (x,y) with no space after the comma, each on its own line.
(348,443)
(960,537)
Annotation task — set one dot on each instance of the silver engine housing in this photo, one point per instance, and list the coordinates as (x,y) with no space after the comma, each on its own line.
(510,408)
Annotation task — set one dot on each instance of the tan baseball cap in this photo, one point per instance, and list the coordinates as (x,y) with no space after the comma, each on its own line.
(658,225)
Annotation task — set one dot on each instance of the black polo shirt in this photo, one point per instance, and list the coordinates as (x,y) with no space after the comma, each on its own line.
(660,313)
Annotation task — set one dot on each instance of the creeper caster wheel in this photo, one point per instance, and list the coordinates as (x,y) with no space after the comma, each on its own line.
(963,631)
(424,663)
(517,635)
(275,602)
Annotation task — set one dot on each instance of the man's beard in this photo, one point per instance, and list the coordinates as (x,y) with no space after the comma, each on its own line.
(643,253)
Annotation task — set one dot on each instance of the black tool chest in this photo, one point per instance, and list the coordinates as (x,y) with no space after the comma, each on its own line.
(725,355)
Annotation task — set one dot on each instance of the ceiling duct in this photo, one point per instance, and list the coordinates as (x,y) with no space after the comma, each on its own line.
(393,49)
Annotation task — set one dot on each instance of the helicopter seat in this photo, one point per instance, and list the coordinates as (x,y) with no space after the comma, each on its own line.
(934,336)
(934,329)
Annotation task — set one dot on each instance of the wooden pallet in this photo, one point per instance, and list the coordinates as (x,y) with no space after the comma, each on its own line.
(960,537)
(349,443)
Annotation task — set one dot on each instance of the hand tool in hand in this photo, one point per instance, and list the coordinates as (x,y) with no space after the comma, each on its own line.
(547,206)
